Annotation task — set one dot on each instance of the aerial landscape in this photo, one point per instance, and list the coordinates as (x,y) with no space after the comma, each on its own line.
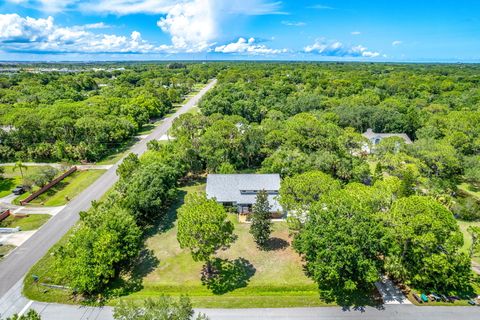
(255,159)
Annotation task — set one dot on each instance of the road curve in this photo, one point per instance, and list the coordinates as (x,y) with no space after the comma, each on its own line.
(18,262)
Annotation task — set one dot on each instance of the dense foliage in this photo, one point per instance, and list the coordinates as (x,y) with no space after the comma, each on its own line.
(85,114)
(164,308)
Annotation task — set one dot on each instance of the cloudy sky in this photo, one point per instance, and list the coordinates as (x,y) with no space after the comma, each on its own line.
(364,30)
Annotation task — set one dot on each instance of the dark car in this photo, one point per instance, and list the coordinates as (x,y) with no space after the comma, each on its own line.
(18,190)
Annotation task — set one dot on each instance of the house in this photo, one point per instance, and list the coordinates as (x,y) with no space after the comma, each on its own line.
(375,138)
(240,190)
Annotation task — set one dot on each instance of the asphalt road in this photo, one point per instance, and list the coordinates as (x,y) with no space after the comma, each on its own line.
(17,263)
(390,312)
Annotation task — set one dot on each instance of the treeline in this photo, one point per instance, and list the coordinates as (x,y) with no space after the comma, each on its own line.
(436,105)
(85,115)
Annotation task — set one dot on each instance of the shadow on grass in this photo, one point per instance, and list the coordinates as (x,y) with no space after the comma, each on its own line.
(354,300)
(131,280)
(228,275)
(274,244)
(7,184)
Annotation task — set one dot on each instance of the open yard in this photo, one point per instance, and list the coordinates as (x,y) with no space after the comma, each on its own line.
(467,240)
(13,178)
(252,278)
(30,222)
(68,188)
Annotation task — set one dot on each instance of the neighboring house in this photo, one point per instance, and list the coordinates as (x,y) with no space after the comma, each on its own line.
(375,138)
(240,190)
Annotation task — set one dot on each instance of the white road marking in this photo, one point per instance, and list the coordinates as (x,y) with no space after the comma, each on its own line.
(27,306)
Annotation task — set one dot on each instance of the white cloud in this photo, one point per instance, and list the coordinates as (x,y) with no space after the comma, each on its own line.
(338,49)
(294,23)
(396,43)
(356,33)
(193,25)
(43,35)
(249,46)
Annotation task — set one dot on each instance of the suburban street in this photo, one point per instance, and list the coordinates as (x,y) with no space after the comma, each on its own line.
(18,262)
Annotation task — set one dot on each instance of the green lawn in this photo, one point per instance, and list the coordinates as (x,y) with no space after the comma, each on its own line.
(5,249)
(69,188)
(467,240)
(13,178)
(272,278)
(31,222)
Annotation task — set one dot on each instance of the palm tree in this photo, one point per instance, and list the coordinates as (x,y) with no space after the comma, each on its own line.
(19,165)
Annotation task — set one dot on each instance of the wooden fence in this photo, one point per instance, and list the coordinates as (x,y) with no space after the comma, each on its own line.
(48,186)
(4,214)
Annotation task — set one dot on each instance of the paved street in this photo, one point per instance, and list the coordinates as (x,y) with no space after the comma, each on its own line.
(18,262)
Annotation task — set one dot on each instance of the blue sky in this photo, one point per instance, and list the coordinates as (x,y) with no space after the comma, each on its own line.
(421,30)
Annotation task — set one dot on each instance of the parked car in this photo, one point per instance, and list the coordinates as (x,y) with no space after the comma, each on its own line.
(471,302)
(18,190)
(435,296)
(444,298)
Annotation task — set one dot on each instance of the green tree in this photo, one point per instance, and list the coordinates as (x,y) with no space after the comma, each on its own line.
(474,249)
(299,192)
(20,166)
(164,308)
(44,175)
(341,242)
(30,315)
(425,235)
(203,227)
(261,226)
(105,241)
(226,168)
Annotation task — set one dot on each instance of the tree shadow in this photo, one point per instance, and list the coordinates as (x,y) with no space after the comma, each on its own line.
(131,279)
(355,300)
(167,221)
(274,244)
(228,275)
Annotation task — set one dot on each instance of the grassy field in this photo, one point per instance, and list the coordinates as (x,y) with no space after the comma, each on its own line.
(467,240)
(13,178)
(31,222)
(69,187)
(252,278)
(255,278)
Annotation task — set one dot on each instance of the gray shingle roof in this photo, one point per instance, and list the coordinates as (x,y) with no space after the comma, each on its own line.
(228,187)
(369,134)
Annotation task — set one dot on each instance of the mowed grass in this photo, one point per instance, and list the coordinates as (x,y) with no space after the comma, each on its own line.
(467,239)
(13,178)
(275,279)
(66,190)
(30,222)
(5,249)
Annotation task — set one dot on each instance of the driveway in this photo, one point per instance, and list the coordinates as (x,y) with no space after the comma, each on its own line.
(390,293)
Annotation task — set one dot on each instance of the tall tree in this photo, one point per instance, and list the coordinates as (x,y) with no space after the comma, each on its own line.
(261,226)
(20,166)
(342,243)
(203,227)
